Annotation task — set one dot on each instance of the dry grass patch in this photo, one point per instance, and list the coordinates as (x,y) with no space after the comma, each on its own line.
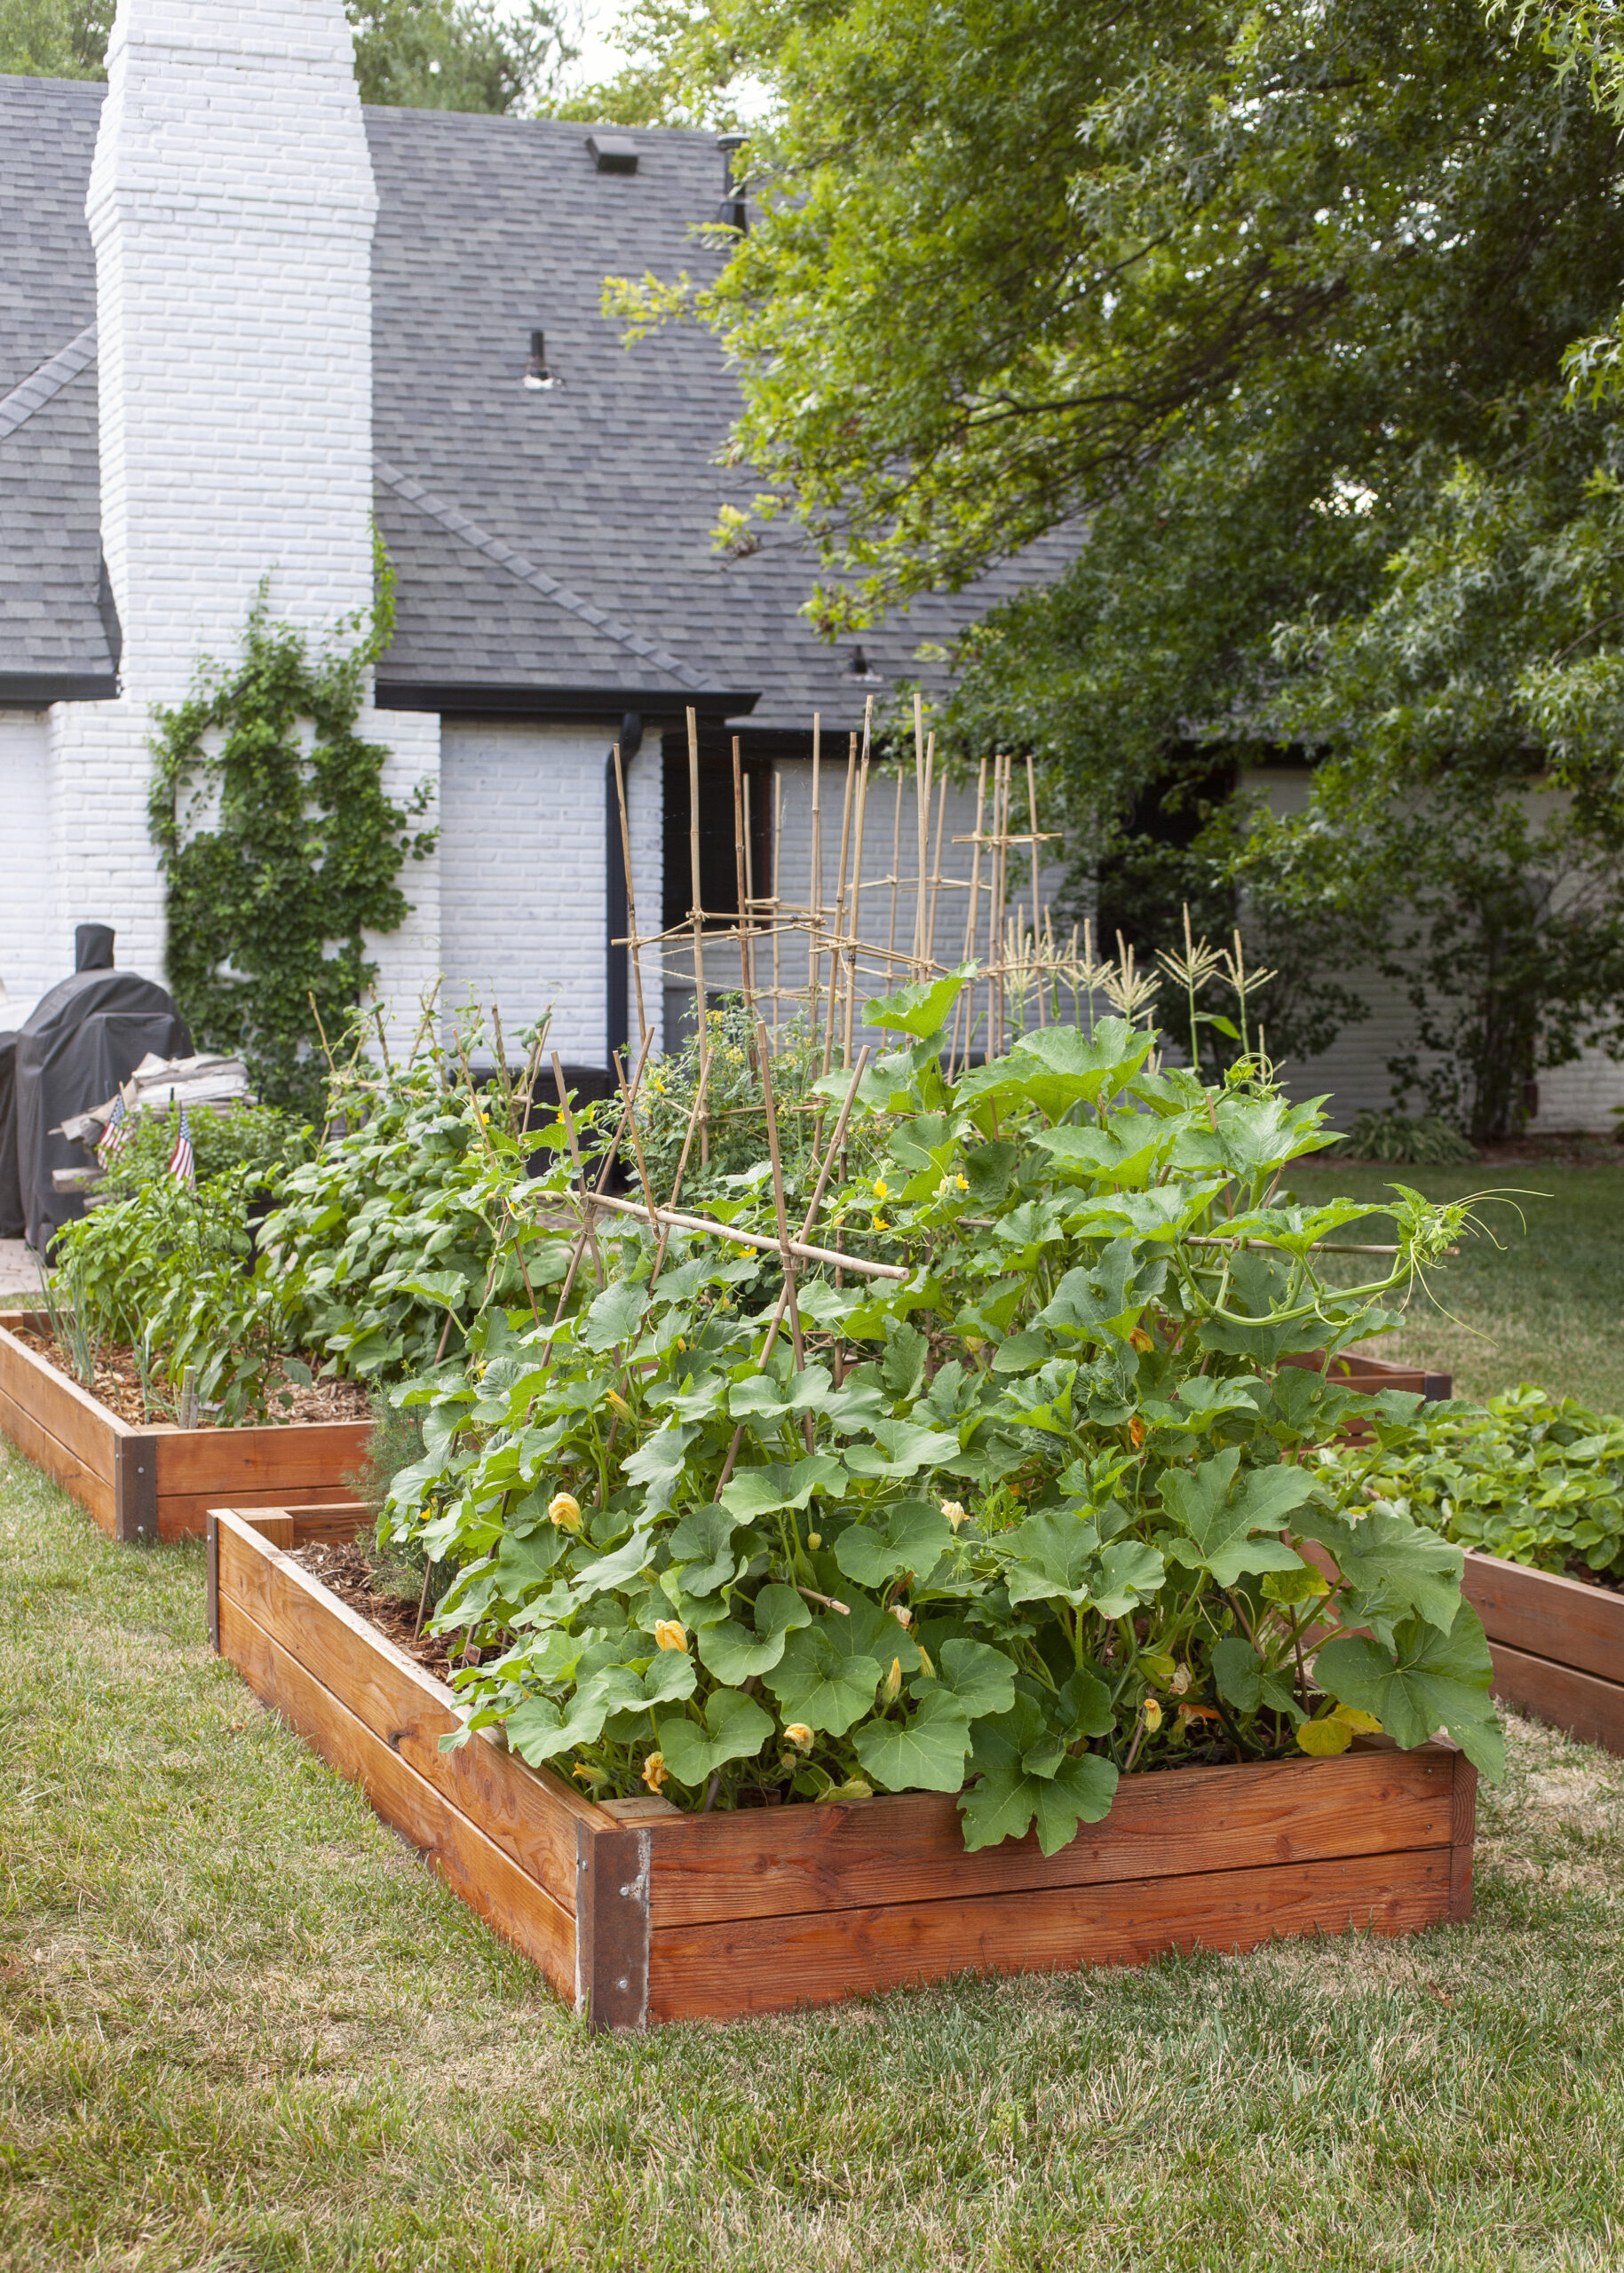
(242,2028)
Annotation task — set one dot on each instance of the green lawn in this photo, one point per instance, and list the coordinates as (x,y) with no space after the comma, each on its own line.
(243,2029)
(1544,1304)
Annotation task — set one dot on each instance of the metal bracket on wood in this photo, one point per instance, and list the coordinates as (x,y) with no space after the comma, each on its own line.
(211,1565)
(1462,1834)
(612,1874)
(135,1489)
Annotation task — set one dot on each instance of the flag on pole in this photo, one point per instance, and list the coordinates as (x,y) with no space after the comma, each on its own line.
(183,1166)
(117,1133)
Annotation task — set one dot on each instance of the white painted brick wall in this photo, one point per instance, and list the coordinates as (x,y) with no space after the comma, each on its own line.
(32,955)
(231,205)
(523,869)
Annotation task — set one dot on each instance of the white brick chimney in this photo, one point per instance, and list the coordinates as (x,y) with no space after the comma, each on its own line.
(232,206)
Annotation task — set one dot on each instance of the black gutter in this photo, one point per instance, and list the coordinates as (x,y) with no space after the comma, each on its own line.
(457,699)
(35,690)
(617,898)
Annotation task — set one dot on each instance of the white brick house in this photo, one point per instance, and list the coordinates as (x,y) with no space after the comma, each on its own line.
(243,320)
(244,317)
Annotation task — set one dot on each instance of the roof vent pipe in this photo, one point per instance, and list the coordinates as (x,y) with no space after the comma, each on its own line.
(732,213)
(536,374)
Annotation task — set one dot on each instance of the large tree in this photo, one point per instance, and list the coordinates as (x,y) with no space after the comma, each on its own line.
(1267,309)
(421,54)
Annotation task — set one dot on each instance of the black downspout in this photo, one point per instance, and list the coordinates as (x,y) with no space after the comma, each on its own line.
(616,899)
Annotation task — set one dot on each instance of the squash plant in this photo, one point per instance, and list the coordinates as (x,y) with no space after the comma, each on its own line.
(1032,1512)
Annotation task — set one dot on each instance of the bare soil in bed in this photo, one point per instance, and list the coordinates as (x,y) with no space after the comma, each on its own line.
(117,1385)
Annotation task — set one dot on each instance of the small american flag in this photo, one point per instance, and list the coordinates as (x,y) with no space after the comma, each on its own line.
(183,1166)
(117,1133)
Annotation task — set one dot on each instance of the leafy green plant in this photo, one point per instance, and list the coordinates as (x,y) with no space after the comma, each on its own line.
(1019,1516)
(280,848)
(169,1271)
(399,1232)
(1531,1477)
(257,1138)
(1427,1142)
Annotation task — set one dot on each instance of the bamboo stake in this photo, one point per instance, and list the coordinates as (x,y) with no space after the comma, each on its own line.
(896,863)
(857,882)
(1032,804)
(773,897)
(796,1339)
(936,873)
(801,1249)
(814,877)
(637,1141)
(568,1118)
(840,904)
(972,925)
(836,1142)
(741,872)
(696,911)
(922,952)
(631,907)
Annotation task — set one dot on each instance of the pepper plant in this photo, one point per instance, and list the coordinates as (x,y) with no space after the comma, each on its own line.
(1033,1509)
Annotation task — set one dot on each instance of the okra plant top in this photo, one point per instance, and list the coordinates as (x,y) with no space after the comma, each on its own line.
(1024,1515)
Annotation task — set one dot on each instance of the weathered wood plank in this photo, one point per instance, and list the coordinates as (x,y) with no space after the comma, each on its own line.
(774,1862)
(93,1493)
(475,1865)
(531,1815)
(186,1514)
(1587,1707)
(767,1965)
(1547,1616)
(224,1464)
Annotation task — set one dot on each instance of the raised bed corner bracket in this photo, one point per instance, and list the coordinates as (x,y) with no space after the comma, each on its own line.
(613,1870)
(135,1489)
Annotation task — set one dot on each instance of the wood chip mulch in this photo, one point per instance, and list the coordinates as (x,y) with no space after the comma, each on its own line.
(342,1566)
(117,1385)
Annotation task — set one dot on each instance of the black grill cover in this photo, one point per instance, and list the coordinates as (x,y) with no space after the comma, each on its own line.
(82,1039)
(11,1194)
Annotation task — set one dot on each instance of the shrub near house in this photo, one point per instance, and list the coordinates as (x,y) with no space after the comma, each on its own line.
(1021,1515)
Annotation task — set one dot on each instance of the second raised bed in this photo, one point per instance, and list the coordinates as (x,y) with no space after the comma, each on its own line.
(145,1484)
(639,1912)
(1558,1646)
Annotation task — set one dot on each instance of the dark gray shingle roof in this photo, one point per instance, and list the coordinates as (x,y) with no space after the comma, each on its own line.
(607,486)
(50,627)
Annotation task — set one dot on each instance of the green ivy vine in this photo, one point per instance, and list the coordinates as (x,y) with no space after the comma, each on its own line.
(300,856)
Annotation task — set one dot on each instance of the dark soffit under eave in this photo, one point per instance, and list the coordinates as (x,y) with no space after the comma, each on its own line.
(37,690)
(567,704)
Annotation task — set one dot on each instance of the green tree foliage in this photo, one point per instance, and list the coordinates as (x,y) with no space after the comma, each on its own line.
(54,39)
(420,54)
(280,851)
(1261,315)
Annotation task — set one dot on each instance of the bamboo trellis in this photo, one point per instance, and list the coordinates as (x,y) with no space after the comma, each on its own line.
(808,964)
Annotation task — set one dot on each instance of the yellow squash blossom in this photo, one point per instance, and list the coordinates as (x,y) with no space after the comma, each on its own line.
(670,1634)
(799,1735)
(564,1511)
(654,1770)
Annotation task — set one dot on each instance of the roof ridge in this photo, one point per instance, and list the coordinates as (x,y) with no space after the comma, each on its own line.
(43,385)
(525,572)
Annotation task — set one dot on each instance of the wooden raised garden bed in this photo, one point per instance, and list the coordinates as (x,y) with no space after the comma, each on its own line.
(1558,1646)
(160,1482)
(639,1912)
